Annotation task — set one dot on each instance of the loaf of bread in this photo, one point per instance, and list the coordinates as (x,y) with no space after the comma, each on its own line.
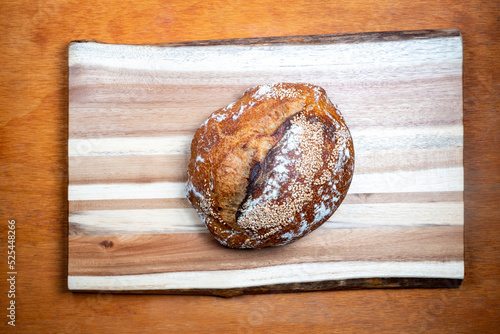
(270,168)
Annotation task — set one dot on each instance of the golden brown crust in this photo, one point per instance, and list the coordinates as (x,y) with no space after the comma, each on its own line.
(271,167)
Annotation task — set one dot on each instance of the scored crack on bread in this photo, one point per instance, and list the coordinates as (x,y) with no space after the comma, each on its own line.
(271,167)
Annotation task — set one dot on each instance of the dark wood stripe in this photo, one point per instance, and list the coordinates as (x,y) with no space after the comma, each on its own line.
(123,169)
(156,203)
(382,36)
(423,197)
(333,285)
(178,203)
(148,254)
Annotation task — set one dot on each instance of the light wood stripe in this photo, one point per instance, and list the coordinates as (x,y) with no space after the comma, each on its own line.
(149,221)
(119,255)
(405,138)
(396,215)
(126,191)
(179,203)
(179,144)
(141,221)
(448,179)
(282,274)
(440,179)
(238,59)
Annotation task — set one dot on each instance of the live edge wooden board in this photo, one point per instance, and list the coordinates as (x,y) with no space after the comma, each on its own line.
(133,110)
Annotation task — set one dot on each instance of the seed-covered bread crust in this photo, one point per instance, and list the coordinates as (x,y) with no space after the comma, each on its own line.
(271,167)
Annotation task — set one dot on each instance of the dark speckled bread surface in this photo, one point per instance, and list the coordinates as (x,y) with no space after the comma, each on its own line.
(272,167)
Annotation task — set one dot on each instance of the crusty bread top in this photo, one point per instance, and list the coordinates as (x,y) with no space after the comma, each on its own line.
(270,167)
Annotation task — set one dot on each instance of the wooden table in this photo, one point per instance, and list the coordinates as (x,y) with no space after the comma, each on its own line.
(34,178)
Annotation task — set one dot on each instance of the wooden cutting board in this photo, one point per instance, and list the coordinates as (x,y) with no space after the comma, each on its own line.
(133,110)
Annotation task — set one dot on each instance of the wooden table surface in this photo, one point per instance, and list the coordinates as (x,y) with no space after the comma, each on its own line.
(34,174)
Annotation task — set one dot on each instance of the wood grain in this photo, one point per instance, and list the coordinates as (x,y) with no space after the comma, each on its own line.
(33,150)
(129,141)
(112,255)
